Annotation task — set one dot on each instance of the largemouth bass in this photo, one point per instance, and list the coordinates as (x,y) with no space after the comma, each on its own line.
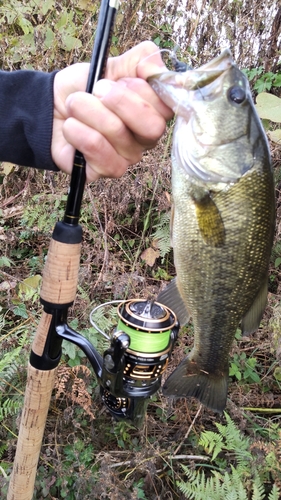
(222,220)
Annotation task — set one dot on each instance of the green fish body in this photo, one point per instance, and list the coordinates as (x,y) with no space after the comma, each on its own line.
(222,221)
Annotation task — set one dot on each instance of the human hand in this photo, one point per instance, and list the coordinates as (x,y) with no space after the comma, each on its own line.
(113,127)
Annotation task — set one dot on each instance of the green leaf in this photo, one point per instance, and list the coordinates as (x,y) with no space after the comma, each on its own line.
(277,373)
(69,349)
(47,5)
(25,25)
(30,285)
(70,42)
(252,73)
(269,106)
(277,80)
(49,38)
(63,20)
(277,262)
(234,371)
(74,362)
(5,262)
(20,310)
(157,40)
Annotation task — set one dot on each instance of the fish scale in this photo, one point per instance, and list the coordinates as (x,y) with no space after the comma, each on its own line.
(222,223)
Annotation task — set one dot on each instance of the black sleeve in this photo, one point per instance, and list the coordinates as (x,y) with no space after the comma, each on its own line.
(26,118)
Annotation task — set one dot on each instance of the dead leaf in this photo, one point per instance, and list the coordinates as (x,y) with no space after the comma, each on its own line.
(7,285)
(7,167)
(275,135)
(149,256)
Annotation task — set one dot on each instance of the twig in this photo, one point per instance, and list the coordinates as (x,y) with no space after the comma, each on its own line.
(188,457)
(119,464)
(189,430)
(104,234)
(262,410)
(12,198)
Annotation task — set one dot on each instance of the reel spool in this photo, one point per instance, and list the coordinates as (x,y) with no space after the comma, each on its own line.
(140,349)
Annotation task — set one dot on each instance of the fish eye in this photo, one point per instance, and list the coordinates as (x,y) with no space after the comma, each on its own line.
(236,94)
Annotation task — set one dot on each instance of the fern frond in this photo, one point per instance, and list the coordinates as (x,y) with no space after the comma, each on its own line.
(235,442)
(162,234)
(7,374)
(8,408)
(212,442)
(275,493)
(2,450)
(217,487)
(258,489)
(8,362)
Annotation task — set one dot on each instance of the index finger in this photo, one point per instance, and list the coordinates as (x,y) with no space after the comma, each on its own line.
(142,61)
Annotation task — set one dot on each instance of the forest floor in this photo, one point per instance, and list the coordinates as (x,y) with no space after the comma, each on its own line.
(81,437)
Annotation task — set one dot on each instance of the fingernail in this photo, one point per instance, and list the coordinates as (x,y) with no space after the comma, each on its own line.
(102,87)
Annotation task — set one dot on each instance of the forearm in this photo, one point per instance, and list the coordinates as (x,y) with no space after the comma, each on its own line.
(26,118)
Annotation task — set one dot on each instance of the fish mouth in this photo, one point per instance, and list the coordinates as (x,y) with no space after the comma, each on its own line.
(193,79)
(173,88)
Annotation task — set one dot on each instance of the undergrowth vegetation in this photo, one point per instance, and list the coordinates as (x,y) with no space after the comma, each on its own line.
(183,451)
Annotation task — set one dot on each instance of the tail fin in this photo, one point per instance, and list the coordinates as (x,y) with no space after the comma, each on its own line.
(188,380)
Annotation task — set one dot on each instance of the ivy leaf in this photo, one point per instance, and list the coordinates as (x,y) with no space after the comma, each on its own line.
(47,5)
(70,42)
(277,80)
(25,25)
(69,349)
(20,310)
(31,282)
(49,38)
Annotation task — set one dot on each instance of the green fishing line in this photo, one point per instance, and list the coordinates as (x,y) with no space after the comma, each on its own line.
(145,341)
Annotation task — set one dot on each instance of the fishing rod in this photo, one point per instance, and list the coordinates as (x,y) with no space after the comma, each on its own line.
(130,370)
(58,292)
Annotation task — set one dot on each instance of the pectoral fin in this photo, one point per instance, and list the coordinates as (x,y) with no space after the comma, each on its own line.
(252,318)
(209,221)
(171,298)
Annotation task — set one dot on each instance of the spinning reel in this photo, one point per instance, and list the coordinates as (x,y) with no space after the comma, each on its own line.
(130,370)
(138,355)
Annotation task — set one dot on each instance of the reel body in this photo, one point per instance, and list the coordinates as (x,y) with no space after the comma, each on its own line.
(131,369)
(139,353)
